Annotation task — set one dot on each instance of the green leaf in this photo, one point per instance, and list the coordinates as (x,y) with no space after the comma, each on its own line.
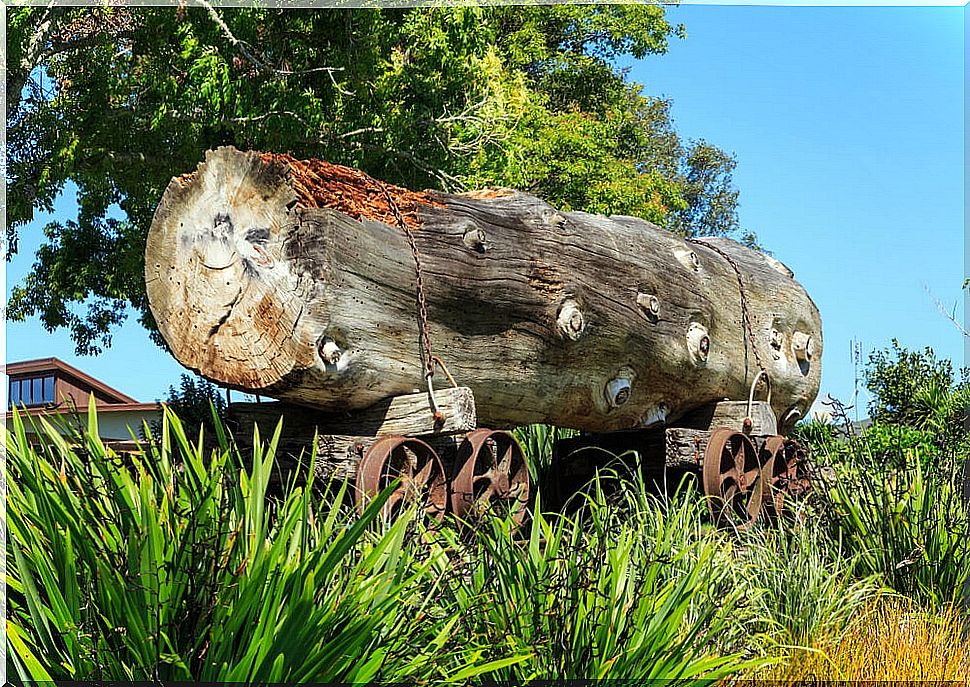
(35,671)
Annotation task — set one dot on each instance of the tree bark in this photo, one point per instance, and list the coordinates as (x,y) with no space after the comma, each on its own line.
(292,279)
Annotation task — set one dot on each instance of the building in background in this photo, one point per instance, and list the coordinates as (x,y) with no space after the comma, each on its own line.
(61,392)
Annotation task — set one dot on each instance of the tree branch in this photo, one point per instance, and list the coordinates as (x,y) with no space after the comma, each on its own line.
(948,315)
(32,55)
(244,48)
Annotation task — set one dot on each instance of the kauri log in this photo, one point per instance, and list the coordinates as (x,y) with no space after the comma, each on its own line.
(292,279)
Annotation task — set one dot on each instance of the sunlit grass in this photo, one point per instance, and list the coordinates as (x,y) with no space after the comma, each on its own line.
(182,564)
(891,639)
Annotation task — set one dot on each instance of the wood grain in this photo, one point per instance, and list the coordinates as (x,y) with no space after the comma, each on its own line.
(584,321)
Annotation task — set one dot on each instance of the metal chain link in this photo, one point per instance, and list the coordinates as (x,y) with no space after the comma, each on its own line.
(429,358)
(745,318)
(422,303)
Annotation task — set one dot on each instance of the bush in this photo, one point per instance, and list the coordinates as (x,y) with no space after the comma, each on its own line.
(177,565)
(915,389)
(146,569)
(898,512)
(905,525)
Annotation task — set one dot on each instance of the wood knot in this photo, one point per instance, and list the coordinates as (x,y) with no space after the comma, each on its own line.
(698,343)
(688,259)
(571,320)
(803,346)
(474,238)
(618,391)
(329,351)
(649,306)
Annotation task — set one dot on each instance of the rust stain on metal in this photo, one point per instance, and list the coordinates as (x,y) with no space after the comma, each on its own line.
(320,184)
(418,467)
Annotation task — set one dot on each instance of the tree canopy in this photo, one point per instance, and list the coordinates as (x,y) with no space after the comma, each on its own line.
(917,389)
(117,100)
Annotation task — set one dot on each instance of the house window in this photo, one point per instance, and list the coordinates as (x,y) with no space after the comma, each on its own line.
(31,391)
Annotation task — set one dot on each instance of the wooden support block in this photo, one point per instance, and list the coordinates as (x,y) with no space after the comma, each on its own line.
(336,456)
(685,447)
(731,414)
(409,415)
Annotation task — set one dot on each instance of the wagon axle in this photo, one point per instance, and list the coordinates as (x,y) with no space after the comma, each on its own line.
(743,483)
(489,471)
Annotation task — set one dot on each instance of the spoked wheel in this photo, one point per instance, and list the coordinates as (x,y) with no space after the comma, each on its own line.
(419,469)
(493,474)
(784,471)
(732,479)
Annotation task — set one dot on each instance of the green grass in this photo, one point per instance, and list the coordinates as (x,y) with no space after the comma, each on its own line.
(900,516)
(157,570)
(594,598)
(805,586)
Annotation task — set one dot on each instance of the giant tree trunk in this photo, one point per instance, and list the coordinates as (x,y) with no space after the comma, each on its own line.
(292,279)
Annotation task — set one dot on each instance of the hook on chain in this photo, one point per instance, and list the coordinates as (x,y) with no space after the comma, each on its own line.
(430,360)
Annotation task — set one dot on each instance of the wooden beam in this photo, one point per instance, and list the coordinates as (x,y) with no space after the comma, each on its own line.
(336,456)
(732,414)
(409,415)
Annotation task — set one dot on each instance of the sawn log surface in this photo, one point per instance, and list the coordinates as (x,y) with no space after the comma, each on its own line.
(292,280)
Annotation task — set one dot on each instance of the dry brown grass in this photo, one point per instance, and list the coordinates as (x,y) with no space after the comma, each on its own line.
(890,640)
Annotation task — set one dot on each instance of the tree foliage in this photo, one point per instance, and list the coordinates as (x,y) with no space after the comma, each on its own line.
(916,389)
(117,100)
(194,402)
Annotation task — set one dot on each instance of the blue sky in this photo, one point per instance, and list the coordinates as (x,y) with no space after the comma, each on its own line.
(848,128)
(847,124)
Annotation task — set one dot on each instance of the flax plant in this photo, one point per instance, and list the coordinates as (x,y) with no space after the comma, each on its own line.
(807,586)
(588,598)
(906,523)
(179,566)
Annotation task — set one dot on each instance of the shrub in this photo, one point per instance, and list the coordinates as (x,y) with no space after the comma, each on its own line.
(906,524)
(915,389)
(145,569)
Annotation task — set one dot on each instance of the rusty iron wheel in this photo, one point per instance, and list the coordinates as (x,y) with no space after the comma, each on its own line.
(422,478)
(732,479)
(493,473)
(784,471)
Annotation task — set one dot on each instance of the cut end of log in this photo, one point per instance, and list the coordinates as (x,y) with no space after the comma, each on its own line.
(213,271)
(218,274)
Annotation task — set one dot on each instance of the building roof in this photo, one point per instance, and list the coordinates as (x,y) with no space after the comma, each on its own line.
(41,365)
(101,410)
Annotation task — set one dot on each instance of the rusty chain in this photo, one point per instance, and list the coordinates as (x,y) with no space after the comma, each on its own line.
(745,318)
(429,358)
